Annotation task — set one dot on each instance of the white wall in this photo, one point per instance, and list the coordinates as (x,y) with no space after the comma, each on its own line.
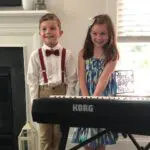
(75,15)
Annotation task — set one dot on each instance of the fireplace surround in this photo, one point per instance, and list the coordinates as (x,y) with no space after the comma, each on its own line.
(19,36)
(12,96)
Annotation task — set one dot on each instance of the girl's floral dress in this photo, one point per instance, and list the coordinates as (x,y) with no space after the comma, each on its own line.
(94,68)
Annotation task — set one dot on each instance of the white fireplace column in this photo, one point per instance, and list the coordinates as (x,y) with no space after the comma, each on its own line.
(21,29)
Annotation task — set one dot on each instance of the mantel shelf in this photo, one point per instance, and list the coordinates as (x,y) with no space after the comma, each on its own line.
(19,13)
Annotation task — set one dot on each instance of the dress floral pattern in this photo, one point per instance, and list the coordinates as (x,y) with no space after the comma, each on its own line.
(94,68)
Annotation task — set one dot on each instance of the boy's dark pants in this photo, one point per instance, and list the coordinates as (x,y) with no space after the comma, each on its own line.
(53,136)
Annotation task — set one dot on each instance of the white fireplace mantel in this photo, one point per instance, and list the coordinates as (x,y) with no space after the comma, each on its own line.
(21,13)
(20,28)
(14,21)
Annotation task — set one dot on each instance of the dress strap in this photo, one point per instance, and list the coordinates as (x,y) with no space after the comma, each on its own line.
(44,69)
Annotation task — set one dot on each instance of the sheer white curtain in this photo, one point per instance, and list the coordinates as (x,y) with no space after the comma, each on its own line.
(133,17)
(133,33)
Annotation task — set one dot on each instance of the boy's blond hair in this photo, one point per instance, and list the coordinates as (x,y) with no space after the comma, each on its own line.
(50,16)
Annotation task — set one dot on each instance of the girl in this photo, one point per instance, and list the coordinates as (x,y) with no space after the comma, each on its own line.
(96,64)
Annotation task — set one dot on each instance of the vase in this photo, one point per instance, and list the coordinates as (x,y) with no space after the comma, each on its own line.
(27,4)
(40,5)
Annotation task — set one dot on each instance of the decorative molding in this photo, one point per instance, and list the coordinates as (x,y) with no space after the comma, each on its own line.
(19,25)
(22,17)
(23,13)
(11,32)
(18,29)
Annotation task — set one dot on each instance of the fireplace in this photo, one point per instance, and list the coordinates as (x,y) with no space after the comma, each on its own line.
(19,36)
(12,96)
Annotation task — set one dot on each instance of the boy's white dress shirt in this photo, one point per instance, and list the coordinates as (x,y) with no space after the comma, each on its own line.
(53,70)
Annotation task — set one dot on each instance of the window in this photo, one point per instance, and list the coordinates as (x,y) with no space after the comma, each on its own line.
(133,30)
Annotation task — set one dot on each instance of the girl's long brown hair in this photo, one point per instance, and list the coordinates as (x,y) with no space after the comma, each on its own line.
(110,48)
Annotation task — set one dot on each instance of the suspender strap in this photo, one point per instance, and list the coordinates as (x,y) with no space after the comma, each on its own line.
(44,69)
(43,66)
(63,64)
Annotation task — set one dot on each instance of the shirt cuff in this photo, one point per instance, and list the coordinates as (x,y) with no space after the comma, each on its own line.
(34,90)
(71,90)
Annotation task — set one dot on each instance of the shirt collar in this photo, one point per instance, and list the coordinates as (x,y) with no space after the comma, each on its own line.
(58,46)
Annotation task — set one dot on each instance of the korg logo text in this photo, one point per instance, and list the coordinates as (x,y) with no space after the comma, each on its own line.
(82,108)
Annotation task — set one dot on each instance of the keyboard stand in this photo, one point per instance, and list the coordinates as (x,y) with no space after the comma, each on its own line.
(88,140)
(103,132)
(136,143)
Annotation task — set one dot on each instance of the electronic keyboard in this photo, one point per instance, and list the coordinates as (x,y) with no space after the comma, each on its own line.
(121,114)
(126,115)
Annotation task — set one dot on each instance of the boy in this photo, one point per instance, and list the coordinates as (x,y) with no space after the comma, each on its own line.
(51,71)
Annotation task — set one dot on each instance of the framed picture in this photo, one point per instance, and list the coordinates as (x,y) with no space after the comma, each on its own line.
(125,81)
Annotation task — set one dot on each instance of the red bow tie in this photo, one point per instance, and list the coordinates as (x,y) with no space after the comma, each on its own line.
(54,52)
